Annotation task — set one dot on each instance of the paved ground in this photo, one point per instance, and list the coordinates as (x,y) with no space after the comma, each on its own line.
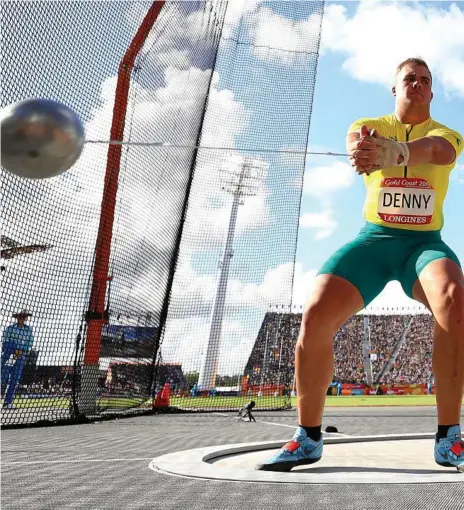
(105,465)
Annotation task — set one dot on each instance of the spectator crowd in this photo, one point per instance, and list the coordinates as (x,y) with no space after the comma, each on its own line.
(398,350)
(408,336)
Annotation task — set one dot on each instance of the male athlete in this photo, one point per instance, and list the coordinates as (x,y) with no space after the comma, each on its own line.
(405,159)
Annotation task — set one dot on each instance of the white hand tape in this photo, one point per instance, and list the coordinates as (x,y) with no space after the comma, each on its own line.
(392,153)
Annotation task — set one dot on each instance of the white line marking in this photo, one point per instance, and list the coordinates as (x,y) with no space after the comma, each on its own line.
(72,461)
(277,424)
(285,425)
(329,434)
(294,427)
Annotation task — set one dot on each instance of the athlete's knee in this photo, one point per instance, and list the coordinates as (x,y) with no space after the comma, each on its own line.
(317,322)
(449,304)
(313,316)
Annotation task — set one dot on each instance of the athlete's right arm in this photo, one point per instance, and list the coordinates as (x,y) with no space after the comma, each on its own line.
(371,148)
(363,149)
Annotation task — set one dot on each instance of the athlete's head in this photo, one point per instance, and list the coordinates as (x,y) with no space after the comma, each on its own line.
(413,84)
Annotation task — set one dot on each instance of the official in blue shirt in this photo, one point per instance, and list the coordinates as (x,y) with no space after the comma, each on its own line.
(17,341)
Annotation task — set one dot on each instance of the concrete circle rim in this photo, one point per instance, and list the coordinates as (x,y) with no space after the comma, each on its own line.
(195,463)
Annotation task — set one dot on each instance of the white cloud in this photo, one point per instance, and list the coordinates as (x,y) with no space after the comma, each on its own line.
(186,336)
(303,284)
(275,288)
(326,180)
(242,296)
(322,222)
(246,303)
(186,339)
(283,40)
(234,13)
(186,35)
(322,183)
(290,154)
(222,104)
(457,174)
(393,298)
(432,32)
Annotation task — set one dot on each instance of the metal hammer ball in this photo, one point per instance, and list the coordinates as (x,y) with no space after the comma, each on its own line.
(40,138)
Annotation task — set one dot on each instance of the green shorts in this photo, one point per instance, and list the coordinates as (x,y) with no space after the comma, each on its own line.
(379,255)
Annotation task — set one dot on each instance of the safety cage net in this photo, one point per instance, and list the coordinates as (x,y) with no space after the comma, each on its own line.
(157,273)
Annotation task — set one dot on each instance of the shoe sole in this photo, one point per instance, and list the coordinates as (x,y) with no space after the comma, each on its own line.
(285,467)
(448,464)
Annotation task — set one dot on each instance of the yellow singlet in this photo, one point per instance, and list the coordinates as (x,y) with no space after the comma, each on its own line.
(409,198)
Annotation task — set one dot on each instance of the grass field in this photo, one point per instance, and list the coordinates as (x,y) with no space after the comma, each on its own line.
(63,403)
(380,400)
(238,402)
(342,401)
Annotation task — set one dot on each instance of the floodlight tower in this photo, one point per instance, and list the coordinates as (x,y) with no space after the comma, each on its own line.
(241,177)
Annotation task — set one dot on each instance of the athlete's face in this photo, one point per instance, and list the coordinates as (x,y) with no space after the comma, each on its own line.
(413,85)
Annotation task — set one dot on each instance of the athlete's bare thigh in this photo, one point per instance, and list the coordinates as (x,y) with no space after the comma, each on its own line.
(333,300)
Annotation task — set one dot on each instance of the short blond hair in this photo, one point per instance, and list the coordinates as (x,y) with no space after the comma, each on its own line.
(415,60)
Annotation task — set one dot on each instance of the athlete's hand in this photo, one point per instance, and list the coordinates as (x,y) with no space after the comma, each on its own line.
(370,152)
(363,151)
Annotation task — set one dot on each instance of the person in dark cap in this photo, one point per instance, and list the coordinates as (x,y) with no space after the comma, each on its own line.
(17,341)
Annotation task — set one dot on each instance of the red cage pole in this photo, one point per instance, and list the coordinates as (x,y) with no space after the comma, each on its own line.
(95,315)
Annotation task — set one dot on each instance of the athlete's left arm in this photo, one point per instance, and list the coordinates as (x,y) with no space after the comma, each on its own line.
(441,146)
(434,150)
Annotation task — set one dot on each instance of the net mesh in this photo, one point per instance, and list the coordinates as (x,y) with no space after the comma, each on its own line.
(70,52)
(238,247)
(206,211)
